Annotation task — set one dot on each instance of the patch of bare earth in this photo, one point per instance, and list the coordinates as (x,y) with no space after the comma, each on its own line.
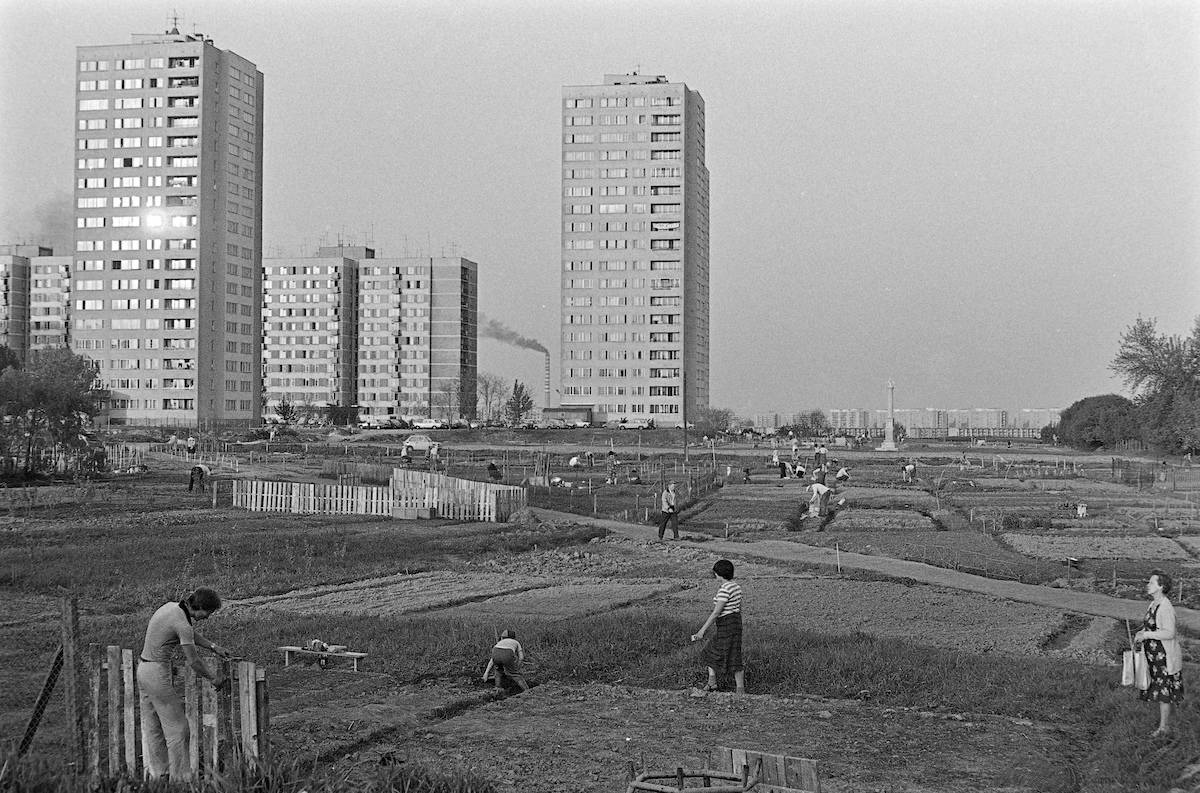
(572,739)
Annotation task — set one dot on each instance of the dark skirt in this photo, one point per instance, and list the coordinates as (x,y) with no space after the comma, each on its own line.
(724,651)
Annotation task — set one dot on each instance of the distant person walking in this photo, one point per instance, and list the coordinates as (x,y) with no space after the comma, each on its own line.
(165,739)
(723,655)
(669,512)
(191,444)
(1164,657)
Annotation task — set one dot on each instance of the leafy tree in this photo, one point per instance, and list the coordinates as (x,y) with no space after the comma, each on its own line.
(519,403)
(50,402)
(1150,362)
(1098,421)
(1163,373)
(9,358)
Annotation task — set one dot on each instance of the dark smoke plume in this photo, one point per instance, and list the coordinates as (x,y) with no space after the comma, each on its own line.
(495,329)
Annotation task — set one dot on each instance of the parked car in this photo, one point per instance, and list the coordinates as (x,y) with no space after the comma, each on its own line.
(371,423)
(637,424)
(418,442)
(428,424)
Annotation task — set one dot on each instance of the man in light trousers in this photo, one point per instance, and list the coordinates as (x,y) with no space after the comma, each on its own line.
(164,725)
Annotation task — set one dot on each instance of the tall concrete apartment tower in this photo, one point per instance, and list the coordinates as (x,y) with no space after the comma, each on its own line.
(167,280)
(635,303)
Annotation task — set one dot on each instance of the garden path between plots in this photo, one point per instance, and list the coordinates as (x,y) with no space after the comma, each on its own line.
(795,552)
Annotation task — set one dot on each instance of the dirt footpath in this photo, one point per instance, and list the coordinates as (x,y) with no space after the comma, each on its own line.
(786,551)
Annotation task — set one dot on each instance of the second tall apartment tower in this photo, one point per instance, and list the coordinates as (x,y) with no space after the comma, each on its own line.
(167,279)
(635,274)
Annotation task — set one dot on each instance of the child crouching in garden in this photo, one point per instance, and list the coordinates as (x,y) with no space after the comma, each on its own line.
(506,660)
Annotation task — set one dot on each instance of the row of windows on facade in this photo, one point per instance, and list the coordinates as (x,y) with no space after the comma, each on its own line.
(234,93)
(135,221)
(609,301)
(605,408)
(170,122)
(610,354)
(157,141)
(174,62)
(623,209)
(585,191)
(622,137)
(621,283)
(622,244)
(622,319)
(617,155)
(588,372)
(621,101)
(621,390)
(587,226)
(623,119)
(659,172)
(620,336)
(619,265)
(173,161)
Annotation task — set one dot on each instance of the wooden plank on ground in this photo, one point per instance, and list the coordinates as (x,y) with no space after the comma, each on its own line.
(130,709)
(113,661)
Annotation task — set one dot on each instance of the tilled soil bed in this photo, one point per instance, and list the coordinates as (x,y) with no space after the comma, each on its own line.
(579,739)
(1094,547)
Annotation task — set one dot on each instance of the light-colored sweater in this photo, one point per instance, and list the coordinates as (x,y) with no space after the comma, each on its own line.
(1165,633)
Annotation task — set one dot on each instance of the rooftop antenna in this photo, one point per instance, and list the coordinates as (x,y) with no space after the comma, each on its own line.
(174,19)
(637,68)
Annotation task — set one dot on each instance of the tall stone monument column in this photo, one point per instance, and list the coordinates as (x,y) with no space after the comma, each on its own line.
(889,438)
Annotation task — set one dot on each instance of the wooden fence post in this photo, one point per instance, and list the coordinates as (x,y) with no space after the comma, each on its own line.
(130,713)
(71,674)
(113,663)
(95,662)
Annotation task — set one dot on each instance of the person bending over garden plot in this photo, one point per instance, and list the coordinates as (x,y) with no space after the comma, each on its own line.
(723,655)
(506,660)
(199,476)
(165,738)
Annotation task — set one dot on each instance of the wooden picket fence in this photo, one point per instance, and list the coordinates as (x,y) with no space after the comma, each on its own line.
(457,499)
(410,494)
(226,728)
(307,498)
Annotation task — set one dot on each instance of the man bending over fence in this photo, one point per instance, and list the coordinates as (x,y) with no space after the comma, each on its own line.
(164,725)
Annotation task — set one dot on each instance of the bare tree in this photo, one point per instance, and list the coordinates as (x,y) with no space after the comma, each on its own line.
(493,393)
(445,399)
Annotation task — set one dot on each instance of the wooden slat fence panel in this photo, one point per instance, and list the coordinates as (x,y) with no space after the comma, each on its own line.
(223,725)
(451,498)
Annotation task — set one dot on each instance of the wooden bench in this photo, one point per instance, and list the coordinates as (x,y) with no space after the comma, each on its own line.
(320,654)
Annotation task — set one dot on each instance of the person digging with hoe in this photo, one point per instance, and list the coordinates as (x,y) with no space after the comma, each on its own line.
(165,738)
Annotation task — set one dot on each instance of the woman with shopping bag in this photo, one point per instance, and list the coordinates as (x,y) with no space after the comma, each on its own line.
(1164,657)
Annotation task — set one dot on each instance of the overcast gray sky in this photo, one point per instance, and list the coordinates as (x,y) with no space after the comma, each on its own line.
(972,198)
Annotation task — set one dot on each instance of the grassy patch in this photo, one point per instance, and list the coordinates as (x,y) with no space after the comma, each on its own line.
(133,567)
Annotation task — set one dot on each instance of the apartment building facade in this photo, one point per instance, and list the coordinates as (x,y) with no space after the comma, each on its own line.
(14,295)
(402,333)
(167,283)
(635,250)
(310,332)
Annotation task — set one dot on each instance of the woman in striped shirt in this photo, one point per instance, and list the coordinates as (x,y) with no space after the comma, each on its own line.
(724,651)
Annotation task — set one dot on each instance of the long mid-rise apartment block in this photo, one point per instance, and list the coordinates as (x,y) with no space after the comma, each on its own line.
(393,337)
(166,282)
(635,250)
